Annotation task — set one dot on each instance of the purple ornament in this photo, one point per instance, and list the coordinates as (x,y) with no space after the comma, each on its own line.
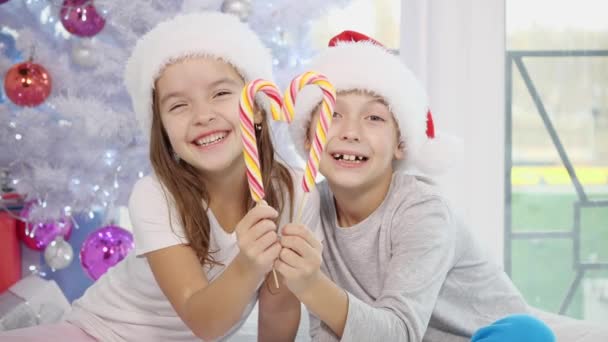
(80,17)
(104,248)
(3,1)
(38,235)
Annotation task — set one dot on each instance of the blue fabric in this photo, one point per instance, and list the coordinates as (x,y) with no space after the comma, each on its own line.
(515,328)
(72,280)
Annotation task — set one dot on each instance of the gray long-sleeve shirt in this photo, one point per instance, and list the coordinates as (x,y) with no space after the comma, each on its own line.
(411,271)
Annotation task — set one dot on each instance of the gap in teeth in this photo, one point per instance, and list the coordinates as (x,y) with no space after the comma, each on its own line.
(348,157)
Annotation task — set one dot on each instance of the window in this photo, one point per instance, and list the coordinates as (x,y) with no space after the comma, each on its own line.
(556,225)
(378,19)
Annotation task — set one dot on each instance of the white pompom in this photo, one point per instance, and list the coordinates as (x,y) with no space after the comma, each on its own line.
(438,155)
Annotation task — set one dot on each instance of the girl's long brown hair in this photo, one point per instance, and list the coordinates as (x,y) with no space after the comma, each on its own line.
(187,191)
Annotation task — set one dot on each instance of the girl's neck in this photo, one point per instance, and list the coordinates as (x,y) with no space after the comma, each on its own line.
(228,193)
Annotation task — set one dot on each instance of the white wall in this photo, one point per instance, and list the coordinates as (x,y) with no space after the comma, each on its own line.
(457,49)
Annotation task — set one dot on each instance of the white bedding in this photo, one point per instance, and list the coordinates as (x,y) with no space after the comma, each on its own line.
(565,328)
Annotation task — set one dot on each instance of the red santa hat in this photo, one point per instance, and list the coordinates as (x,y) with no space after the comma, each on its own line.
(354,61)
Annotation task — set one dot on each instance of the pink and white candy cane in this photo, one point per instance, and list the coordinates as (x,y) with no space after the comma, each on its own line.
(327,110)
(320,138)
(250,146)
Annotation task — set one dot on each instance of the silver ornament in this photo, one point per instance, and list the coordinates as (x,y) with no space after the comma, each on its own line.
(84,52)
(240,8)
(58,254)
(46,13)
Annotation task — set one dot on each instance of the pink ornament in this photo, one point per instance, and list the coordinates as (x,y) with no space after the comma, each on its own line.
(104,248)
(80,17)
(38,235)
(27,84)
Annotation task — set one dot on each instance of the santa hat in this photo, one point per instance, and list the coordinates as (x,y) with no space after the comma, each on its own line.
(212,34)
(354,61)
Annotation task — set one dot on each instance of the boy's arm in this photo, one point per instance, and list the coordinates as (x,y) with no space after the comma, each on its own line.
(319,331)
(329,302)
(279,312)
(299,262)
(422,252)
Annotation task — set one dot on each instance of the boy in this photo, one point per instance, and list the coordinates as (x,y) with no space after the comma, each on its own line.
(396,266)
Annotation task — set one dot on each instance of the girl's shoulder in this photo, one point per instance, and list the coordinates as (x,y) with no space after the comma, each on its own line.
(154,218)
(147,183)
(148,190)
(150,198)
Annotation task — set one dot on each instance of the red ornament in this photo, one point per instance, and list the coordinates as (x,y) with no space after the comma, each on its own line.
(81,18)
(27,84)
(10,253)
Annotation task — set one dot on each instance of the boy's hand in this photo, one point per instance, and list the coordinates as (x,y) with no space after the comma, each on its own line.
(300,258)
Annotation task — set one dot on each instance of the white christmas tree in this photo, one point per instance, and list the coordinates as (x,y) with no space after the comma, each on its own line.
(80,150)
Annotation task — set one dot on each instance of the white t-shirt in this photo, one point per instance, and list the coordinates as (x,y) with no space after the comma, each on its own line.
(126,303)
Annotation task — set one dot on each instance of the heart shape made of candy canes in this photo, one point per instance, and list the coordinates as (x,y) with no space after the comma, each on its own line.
(283,109)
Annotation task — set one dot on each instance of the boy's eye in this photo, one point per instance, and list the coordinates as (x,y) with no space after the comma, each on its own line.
(375,118)
(222,93)
(337,115)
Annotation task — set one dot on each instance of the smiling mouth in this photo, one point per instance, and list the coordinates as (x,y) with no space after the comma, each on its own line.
(211,139)
(349,158)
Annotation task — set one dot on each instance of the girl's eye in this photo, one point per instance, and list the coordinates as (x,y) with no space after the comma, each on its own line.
(337,115)
(174,107)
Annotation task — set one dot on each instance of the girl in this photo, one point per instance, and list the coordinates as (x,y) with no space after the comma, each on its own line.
(395,265)
(202,248)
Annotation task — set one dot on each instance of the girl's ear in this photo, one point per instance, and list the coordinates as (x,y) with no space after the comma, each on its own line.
(307,142)
(258,117)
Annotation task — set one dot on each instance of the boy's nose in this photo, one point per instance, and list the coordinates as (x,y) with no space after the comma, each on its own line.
(349,132)
(349,136)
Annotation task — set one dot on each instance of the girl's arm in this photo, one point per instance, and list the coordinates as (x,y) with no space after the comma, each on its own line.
(211,309)
(279,312)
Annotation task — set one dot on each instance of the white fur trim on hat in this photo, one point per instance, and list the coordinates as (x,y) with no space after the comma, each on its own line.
(213,34)
(369,67)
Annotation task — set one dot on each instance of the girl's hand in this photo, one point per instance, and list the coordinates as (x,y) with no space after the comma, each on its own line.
(257,240)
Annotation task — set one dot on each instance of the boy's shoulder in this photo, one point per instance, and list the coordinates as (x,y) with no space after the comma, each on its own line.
(409,188)
(406,191)
(416,196)
(404,187)
(417,205)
